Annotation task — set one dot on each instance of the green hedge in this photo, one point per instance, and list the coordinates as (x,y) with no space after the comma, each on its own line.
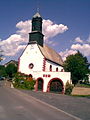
(83,85)
(21,81)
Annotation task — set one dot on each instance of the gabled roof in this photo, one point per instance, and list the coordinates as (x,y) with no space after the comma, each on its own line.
(51,54)
(11,61)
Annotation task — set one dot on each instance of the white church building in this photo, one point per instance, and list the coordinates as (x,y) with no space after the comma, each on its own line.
(41,62)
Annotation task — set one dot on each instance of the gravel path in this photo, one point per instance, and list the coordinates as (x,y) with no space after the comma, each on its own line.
(77,106)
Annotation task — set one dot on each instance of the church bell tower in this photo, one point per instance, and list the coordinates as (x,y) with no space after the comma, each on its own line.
(36,35)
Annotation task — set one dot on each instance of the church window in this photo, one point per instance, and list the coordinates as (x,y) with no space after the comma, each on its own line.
(50,68)
(30,75)
(62,70)
(31,65)
(57,69)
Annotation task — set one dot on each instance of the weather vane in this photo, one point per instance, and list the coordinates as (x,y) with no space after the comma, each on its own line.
(38,6)
(38,9)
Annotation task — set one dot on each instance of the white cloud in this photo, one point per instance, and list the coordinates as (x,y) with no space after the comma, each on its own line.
(52,43)
(85,48)
(81,46)
(67,53)
(88,39)
(16,42)
(78,39)
(50,29)
(10,46)
(24,27)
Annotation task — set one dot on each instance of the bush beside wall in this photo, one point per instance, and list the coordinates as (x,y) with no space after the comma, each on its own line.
(23,81)
(68,89)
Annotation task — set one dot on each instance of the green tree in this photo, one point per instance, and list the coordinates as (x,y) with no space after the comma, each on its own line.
(78,66)
(11,69)
(2,71)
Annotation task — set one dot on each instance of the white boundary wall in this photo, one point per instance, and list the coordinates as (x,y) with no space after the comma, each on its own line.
(47,76)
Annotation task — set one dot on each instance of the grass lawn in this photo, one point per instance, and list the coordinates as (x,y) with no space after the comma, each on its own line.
(86,96)
(83,85)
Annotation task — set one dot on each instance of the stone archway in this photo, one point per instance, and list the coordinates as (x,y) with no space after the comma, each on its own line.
(55,85)
(39,84)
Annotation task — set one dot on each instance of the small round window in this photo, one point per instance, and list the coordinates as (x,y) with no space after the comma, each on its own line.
(31,65)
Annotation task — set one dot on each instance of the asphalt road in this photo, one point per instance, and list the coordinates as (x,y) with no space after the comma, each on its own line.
(77,106)
(16,105)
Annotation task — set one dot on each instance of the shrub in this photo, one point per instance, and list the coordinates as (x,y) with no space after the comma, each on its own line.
(68,88)
(21,81)
(29,84)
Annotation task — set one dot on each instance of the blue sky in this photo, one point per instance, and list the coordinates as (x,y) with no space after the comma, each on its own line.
(66,26)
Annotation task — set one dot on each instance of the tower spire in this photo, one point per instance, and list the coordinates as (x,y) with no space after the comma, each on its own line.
(36,34)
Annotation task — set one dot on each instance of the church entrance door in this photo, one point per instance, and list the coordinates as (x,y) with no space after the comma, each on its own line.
(40,84)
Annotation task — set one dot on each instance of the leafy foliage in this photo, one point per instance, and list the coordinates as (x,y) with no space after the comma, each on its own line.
(11,69)
(2,71)
(83,85)
(68,88)
(22,81)
(78,66)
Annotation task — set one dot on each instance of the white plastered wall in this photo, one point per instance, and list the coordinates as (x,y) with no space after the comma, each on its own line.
(32,55)
(54,66)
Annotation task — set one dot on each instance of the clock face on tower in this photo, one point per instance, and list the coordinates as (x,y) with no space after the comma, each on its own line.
(31,65)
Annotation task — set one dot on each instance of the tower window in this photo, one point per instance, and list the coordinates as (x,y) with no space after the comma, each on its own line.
(33,28)
(50,68)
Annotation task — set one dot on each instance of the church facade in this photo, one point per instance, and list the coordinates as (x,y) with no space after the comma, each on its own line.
(41,62)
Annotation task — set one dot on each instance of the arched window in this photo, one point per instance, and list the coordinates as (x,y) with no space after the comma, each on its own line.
(62,70)
(57,69)
(50,68)
(30,75)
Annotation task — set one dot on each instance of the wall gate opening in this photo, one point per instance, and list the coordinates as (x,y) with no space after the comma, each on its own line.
(55,85)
